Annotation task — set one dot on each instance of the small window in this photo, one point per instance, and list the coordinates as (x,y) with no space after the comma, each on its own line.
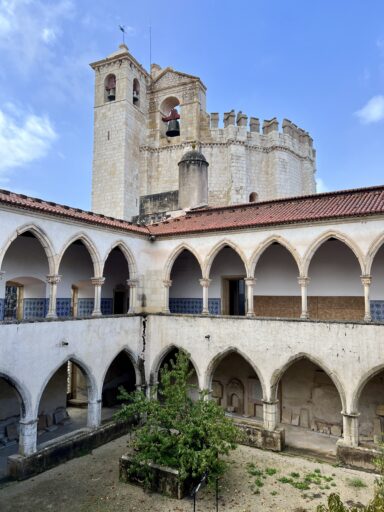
(110,88)
(136,93)
(253,197)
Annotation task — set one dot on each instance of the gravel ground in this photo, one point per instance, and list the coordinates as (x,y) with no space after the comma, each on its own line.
(90,484)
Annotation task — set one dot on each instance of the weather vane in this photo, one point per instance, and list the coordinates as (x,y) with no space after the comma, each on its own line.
(122,28)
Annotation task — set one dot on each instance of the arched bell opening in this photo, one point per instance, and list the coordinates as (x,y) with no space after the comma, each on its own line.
(236,387)
(110,88)
(136,92)
(185,294)
(24,291)
(310,407)
(253,197)
(63,406)
(335,291)
(121,373)
(170,116)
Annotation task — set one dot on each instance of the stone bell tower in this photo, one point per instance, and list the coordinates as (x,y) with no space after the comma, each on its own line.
(119,131)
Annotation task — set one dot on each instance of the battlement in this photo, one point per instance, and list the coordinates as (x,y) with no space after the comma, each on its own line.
(253,127)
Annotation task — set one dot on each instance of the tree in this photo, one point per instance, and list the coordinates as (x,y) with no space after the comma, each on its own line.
(176,431)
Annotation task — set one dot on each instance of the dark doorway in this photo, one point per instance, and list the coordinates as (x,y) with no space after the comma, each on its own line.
(120,302)
(236,297)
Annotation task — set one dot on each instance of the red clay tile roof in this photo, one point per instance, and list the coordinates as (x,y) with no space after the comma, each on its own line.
(47,207)
(330,205)
(341,204)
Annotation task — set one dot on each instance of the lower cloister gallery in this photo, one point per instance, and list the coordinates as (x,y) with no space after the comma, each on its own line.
(280,305)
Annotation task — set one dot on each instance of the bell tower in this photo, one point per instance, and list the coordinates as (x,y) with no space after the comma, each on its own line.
(120,112)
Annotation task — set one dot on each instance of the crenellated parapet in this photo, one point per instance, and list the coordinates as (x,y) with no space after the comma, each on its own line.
(238,126)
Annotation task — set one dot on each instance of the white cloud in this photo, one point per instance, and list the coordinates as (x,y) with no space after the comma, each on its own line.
(373,110)
(321,186)
(23,138)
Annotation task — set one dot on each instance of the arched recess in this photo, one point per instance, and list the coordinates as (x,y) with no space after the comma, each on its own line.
(276,266)
(26,262)
(63,399)
(22,394)
(117,268)
(226,267)
(78,262)
(375,268)
(184,271)
(165,358)
(122,371)
(334,266)
(236,384)
(310,395)
(175,254)
(166,106)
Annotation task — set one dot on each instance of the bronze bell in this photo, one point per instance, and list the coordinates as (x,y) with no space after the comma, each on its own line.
(173,129)
(111,94)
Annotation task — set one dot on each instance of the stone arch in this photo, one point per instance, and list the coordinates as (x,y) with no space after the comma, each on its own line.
(41,236)
(215,251)
(373,250)
(323,238)
(168,104)
(132,267)
(370,374)
(22,393)
(91,380)
(216,360)
(134,360)
(160,357)
(267,243)
(278,374)
(175,254)
(91,248)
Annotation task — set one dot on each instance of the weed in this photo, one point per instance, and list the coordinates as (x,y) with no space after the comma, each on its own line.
(274,493)
(356,482)
(317,470)
(285,480)
(258,482)
(270,471)
(295,475)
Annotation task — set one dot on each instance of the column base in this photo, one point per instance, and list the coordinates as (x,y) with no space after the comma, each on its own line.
(166,310)
(304,316)
(251,314)
(51,316)
(367,318)
(97,313)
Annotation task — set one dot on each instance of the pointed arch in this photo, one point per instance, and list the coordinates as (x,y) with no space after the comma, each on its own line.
(278,374)
(312,249)
(175,254)
(128,254)
(91,381)
(41,236)
(160,358)
(216,360)
(370,374)
(215,251)
(373,250)
(266,244)
(91,248)
(134,360)
(22,392)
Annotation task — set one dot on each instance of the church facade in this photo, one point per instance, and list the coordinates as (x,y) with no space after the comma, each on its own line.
(278,299)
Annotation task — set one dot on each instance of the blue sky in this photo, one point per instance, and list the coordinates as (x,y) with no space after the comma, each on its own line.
(320,64)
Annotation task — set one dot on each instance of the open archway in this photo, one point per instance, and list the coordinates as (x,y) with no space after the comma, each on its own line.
(185,294)
(115,290)
(167,361)
(377,286)
(370,406)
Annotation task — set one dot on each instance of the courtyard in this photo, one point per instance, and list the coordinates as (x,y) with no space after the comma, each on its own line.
(256,480)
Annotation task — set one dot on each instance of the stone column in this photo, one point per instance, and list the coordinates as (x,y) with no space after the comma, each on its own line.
(94,413)
(366,282)
(2,312)
(303,282)
(167,284)
(53,281)
(205,284)
(132,284)
(270,414)
(250,283)
(351,428)
(27,436)
(97,283)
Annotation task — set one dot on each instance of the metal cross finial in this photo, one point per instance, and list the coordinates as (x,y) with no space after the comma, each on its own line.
(122,28)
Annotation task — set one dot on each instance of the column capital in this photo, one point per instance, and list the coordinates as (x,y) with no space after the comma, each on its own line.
(167,283)
(303,280)
(205,282)
(28,421)
(97,281)
(350,414)
(366,280)
(132,283)
(270,402)
(53,278)
(250,281)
